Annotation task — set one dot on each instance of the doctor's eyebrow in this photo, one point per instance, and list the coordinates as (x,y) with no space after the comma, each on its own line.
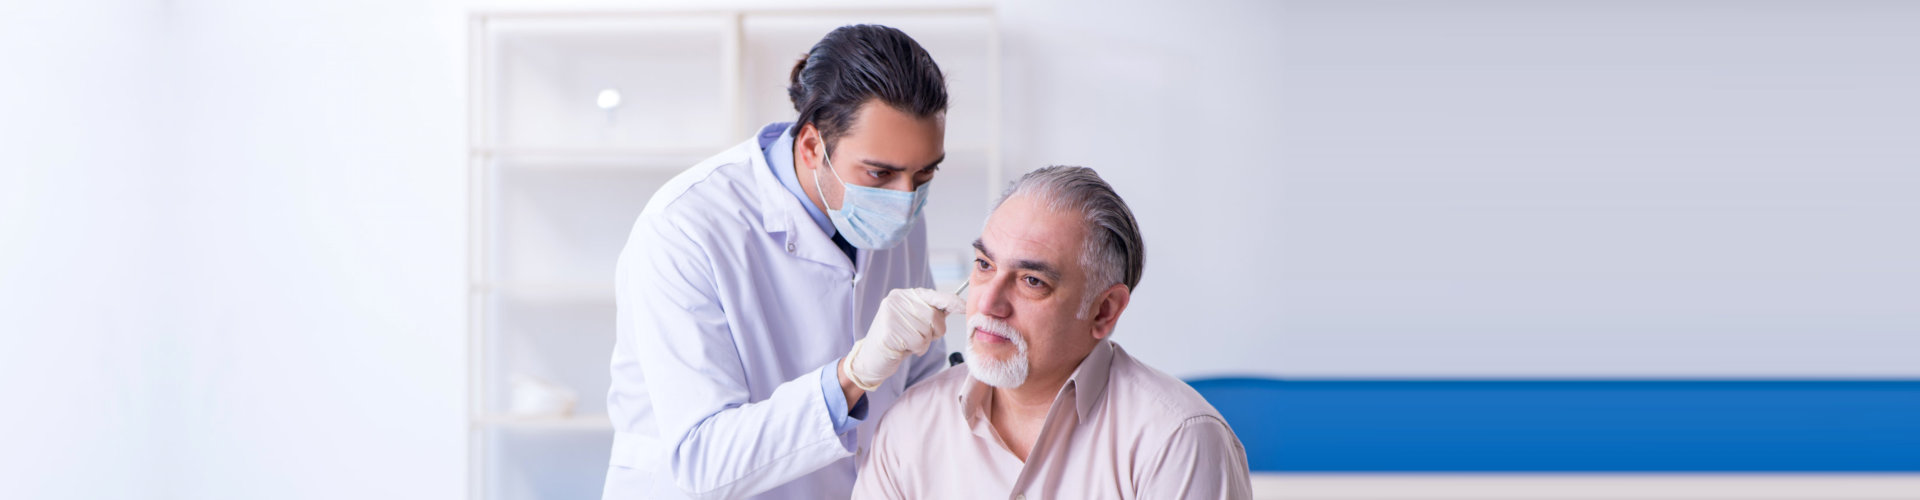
(897,168)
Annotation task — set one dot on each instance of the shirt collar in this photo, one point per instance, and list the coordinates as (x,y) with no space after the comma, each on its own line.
(1090,379)
(776,142)
(1088,384)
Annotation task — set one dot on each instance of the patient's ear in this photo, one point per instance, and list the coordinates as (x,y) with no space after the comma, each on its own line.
(1107,309)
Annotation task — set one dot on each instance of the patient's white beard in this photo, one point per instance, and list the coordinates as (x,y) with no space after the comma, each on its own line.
(1005,374)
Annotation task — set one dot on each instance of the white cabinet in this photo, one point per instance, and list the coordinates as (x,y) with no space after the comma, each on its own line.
(674,76)
(576,118)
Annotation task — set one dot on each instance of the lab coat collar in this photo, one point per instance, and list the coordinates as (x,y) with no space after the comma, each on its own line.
(777,142)
(782,210)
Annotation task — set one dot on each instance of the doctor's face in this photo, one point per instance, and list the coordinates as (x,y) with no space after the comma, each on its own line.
(885,148)
(1027,275)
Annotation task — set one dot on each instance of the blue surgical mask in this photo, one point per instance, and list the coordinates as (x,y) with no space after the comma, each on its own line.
(872,218)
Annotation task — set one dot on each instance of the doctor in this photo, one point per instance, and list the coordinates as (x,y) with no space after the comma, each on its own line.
(774,297)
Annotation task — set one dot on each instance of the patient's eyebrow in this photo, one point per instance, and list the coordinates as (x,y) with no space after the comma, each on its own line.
(1045,269)
(1040,267)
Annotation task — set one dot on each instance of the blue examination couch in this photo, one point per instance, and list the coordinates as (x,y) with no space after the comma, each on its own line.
(1452,426)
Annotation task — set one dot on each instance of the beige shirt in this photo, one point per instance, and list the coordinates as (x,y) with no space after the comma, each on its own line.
(1117,429)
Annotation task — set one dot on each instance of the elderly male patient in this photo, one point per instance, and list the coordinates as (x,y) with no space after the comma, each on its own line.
(1046,405)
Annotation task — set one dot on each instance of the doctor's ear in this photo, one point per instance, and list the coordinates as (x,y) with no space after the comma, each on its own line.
(809,144)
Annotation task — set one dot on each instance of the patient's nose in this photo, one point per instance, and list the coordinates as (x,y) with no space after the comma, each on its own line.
(988,300)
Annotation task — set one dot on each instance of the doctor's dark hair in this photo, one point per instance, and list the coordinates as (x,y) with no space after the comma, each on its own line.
(1114,252)
(859,63)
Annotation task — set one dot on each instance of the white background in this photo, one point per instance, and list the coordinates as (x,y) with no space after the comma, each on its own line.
(232,233)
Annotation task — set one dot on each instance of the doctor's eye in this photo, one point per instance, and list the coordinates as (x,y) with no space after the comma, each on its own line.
(879,173)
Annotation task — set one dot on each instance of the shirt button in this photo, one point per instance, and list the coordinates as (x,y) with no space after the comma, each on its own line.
(789,248)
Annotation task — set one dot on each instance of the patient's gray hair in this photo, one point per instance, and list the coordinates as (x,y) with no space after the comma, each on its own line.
(1113,252)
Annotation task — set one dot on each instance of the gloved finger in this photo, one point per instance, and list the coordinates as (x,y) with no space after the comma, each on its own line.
(908,335)
(923,334)
(939,325)
(909,301)
(942,301)
(909,324)
(921,347)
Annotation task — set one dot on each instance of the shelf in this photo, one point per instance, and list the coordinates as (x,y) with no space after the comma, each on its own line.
(558,291)
(568,423)
(673,76)
(644,159)
(576,119)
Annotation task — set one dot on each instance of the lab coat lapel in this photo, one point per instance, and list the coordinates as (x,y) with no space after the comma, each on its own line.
(785,218)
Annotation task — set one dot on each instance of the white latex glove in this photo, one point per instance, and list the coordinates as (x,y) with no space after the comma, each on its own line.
(909,320)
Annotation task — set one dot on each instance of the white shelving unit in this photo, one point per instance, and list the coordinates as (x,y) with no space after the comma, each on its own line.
(556,181)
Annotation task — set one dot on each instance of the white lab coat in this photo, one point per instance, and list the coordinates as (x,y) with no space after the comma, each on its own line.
(732,300)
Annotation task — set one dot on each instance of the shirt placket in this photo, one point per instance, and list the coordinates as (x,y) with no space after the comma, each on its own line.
(1054,433)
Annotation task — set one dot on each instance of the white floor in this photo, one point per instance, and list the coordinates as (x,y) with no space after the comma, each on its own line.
(1585,487)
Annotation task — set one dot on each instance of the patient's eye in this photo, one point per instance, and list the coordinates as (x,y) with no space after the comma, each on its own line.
(981,264)
(1034,282)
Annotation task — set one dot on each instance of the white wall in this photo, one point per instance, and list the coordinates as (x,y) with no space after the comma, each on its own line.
(1713,188)
(232,265)
(78,350)
(317,191)
(231,237)
(1507,189)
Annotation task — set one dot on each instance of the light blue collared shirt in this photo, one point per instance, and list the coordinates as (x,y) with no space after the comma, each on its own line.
(780,158)
(779,152)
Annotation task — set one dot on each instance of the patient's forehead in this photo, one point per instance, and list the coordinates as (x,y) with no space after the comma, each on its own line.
(1024,227)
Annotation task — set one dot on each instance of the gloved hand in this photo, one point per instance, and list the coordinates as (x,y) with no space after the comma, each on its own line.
(909,320)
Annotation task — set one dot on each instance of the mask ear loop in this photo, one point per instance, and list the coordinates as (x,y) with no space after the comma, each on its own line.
(836,177)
